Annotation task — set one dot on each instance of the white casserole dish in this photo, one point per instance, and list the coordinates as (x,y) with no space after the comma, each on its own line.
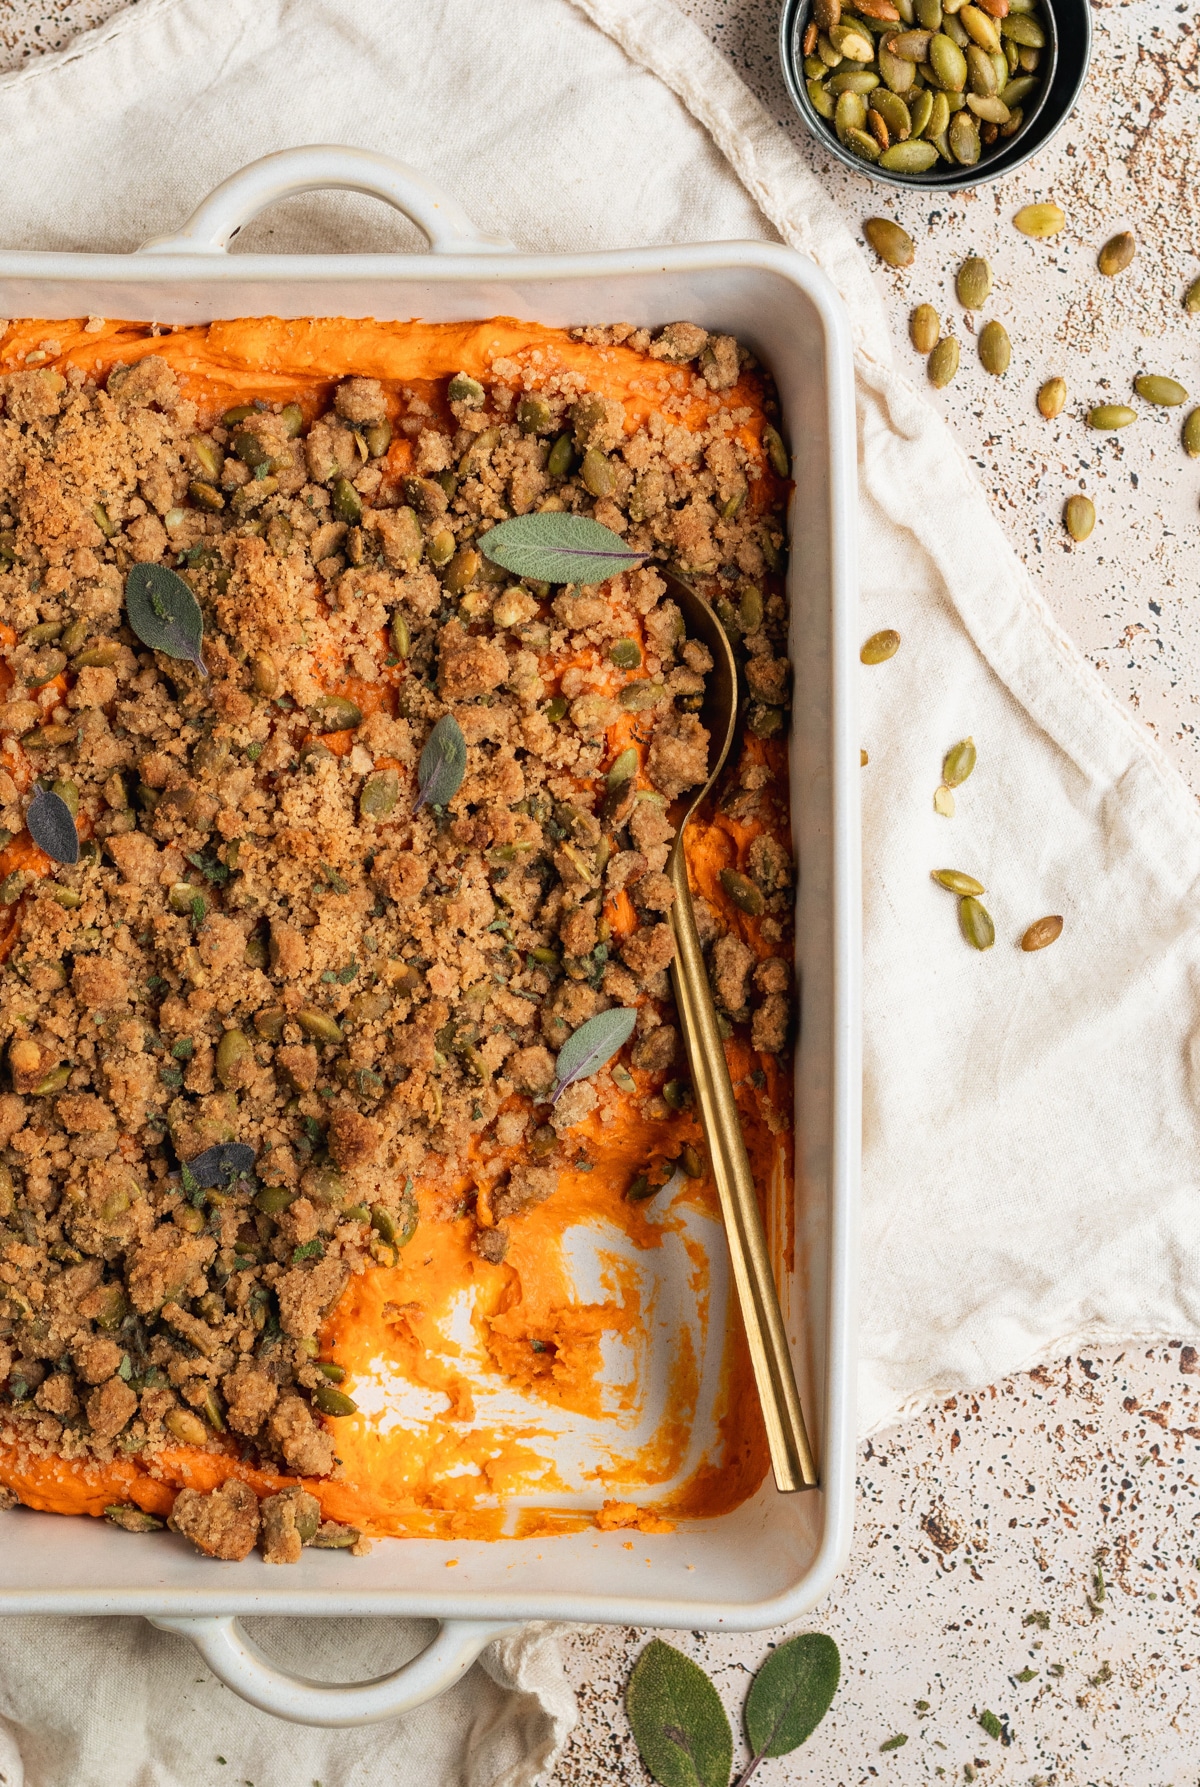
(775,1556)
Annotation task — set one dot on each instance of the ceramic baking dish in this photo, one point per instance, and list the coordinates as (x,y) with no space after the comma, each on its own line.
(775,1556)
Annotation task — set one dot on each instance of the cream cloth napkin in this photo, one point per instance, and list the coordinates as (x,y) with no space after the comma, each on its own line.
(1030,1128)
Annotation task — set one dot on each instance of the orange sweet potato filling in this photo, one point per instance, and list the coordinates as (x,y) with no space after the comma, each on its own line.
(451,1474)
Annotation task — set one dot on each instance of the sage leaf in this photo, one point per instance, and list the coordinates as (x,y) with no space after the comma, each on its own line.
(791,1694)
(443,764)
(591,1046)
(165,614)
(51,826)
(679,1724)
(558,549)
(220,1165)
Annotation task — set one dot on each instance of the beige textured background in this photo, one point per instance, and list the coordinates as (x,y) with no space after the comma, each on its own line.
(1000,1505)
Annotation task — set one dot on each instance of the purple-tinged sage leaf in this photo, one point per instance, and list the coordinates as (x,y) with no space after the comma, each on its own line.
(165,614)
(443,764)
(555,548)
(591,1046)
(52,827)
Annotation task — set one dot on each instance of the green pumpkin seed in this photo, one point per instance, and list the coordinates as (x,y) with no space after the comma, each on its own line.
(995,349)
(1040,221)
(957,765)
(132,1519)
(206,496)
(234,1055)
(891,243)
(690,1162)
(975,923)
(556,708)
(920,111)
(990,111)
(928,14)
(895,114)
(1079,516)
(678,1095)
(558,464)
(347,504)
(1111,415)
(939,124)
(273,1200)
(964,139)
(1191,298)
(851,114)
(957,882)
(1116,254)
(777,453)
(858,81)
(911,46)
(68,793)
(973,283)
(943,802)
(626,654)
(1017,91)
(319,1025)
(880,647)
(401,639)
(333,1402)
(1023,30)
(822,101)
(1052,397)
(183,898)
(948,63)
(980,26)
(380,793)
(1191,435)
(900,76)
(641,1189)
(53,1082)
(911,157)
(269,1022)
(852,41)
(1164,391)
(636,697)
(981,72)
(334,713)
(466,390)
(943,361)
(462,571)
(741,890)
(100,657)
(597,474)
(1042,933)
(750,609)
(440,549)
(924,327)
(187,1428)
(624,768)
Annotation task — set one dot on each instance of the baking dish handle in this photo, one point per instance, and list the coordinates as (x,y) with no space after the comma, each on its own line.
(319,167)
(236,1660)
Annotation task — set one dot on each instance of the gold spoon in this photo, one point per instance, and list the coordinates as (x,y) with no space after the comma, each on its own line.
(791,1455)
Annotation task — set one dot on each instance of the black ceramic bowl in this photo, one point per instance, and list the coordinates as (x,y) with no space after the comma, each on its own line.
(1069,49)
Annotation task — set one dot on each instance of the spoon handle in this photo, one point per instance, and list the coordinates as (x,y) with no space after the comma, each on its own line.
(791,1455)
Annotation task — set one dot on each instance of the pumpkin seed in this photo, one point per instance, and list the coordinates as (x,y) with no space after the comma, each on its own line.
(678,1095)
(269,1022)
(68,793)
(53,1082)
(995,349)
(894,113)
(911,157)
(880,647)
(690,1162)
(1191,298)
(333,1402)
(597,474)
(943,802)
(911,46)
(1191,435)
(1052,397)
(626,654)
(264,674)
(851,114)
(1116,254)
(641,1188)
(380,793)
(974,283)
(981,73)
(990,110)
(957,881)
(1042,933)
(861,143)
(975,923)
(948,63)
(891,243)
(856,80)
(206,496)
(335,713)
(1079,516)
(1111,415)
(401,639)
(1164,391)
(636,697)
(943,361)
(1017,91)
(957,765)
(558,463)
(440,549)
(964,139)
(132,1519)
(319,1025)
(533,415)
(920,111)
(624,768)
(924,328)
(900,76)
(466,390)
(1040,221)
(1024,30)
(462,571)
(187,1428)
(330,1536)
(741,890)
(852,41)
(822,100)
(347,504)
(273,1200)
(183,898)
(234,1055)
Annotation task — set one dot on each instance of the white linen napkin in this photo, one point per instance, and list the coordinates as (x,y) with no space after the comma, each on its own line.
(1031,1128)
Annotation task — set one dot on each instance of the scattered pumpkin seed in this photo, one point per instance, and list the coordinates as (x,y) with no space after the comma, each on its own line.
(1116,254)
(690,1162)
(132,1519)
(777,453)
(1079,516)
(234,1054)
(187,1428)
(1040,221)
(641,1188)
(558,464)
(975,923)
(880,647)
(924,327)
(891,243)
(319,1025)
(380,792)
(1052,398)
(1166,392)
(1111,415)
(636,697)
(1042,933)
(1191,435)
(626,654)
(336,713)
(957,765)
(943,362)
(741,890)
(974,283)
(957,882)
(1191,298)
(466,390)
(269,1022)
(624,768)
(264,674)
(863,759)
(995,349)
(346,504)
(943,802)
(333,1402)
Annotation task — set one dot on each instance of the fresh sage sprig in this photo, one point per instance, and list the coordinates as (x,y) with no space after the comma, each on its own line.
(681,1728)
(555,548)
(52,827)
(591,1046)
(165,614)
(443,764)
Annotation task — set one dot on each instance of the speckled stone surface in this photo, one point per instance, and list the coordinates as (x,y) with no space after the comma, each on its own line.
(973,1582)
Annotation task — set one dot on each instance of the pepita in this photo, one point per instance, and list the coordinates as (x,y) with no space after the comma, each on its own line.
(1111,415)
(1052,398)
(891,243)
(973,284)
(948,63)
(1156,389)
(1079,516)
(880,647)
(1116,254)
(319,1025)
(1040,221)
(943,361)
(1191,298)
(957,882)
(741,890)
(862,144)
(943,802)
(380,792)
(964,139)
(995,349)
(235,1058)
(911,157)
(333,1402)
(1042,933)
(957,765)
(1191,435)
(777,453)
(626,654)
(924,327)
(975,923)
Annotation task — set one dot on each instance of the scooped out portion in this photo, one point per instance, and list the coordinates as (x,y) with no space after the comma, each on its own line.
(290,1215)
